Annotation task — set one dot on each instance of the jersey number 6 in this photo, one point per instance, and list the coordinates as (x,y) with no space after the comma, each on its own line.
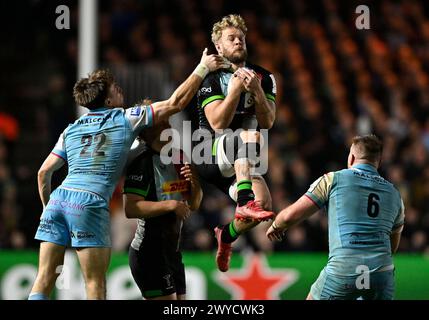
(373,206)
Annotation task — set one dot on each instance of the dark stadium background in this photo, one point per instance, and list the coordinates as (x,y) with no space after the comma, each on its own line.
(333,80)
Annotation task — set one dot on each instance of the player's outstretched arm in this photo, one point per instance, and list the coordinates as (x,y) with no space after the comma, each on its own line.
(184,93)
(291,216)
(44,176)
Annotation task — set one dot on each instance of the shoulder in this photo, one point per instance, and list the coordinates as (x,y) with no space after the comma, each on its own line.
(140,162)
(213,76)
(258,69)
(344,171)
(394,188)
(345,174)
(134,112)
(67,129)
(144,156)
(326,180)
(212,85)
(117,111)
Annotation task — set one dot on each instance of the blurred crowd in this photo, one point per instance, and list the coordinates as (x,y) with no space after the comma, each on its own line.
(333,82)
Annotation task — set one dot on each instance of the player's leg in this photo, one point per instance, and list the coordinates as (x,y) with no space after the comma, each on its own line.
(94,263)
(90,229)
(248,205)
(227,234)
(55,236)
(51,256)
(150,271)
(241,150)
(262,193)
(242,165)
(180,278)
(262,196)
(239,226)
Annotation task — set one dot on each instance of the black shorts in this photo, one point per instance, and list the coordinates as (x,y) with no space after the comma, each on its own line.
(212,172)
(156,273)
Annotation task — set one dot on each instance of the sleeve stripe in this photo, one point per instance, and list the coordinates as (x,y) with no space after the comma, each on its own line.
(270,97)
(139,192)
(151,116)
(211,99)
(57,155)
(317,205)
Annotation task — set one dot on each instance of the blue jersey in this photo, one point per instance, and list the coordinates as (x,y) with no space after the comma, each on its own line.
(363,208)
(96,145)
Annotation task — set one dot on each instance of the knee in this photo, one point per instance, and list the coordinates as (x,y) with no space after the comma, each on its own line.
(250,136)
(96,283)
(92,279)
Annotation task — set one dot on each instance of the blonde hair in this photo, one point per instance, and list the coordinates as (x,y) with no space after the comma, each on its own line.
(232,20)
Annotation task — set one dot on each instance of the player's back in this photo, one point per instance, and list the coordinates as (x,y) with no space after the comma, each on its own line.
(96,147)
(363,209)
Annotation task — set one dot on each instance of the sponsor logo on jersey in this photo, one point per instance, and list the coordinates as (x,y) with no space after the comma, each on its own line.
(175,186)
(135,177)
(206,90)
(136,111)
(89,120)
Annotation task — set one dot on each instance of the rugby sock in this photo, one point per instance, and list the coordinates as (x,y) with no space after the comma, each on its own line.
(229,234)
(245,192)
(37,296)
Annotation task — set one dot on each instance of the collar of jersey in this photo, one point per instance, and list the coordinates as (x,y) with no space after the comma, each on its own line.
(99,109)
(365,167)
(232,71)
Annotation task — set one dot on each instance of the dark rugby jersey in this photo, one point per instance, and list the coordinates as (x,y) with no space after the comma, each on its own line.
(215,87)
(148,177)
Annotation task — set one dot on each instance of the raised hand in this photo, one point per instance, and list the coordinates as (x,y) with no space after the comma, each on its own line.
(237,82)
(275,233)
(189,175)
(214,61)
(252,82)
